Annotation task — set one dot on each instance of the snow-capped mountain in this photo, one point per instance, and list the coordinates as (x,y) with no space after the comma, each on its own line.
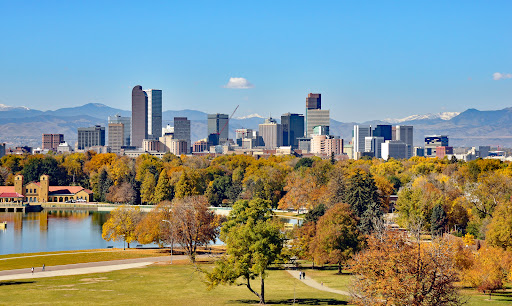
(4,108)
(442,116)
(250,116)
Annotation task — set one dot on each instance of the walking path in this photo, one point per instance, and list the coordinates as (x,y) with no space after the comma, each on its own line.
(314,284)
(84,268)
(54,254)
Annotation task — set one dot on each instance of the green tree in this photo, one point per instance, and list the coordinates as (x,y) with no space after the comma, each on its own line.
(164,189)
(337,236)
(304,162)
(315,214)
(253,242)
(185,186)
(363,197)
(438,220)
(101,183)
(218,190)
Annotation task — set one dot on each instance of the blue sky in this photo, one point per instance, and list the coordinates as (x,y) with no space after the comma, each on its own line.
(369,59)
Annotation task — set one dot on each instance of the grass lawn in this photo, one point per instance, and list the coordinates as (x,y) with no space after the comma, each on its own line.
(475,298)
(9,262)
(330,277)
(157,285)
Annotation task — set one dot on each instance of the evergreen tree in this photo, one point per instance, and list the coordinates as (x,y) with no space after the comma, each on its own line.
(147,189)
(437,220)
(315,214)
(164,189)
(363,198)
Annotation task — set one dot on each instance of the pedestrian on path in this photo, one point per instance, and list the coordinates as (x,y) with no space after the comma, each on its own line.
(303,275)
(43,267)
(32,270)
(300,274)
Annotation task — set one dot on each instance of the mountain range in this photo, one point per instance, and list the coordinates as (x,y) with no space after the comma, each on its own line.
(472,127)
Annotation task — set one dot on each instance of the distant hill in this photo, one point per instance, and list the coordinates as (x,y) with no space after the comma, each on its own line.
(20,125)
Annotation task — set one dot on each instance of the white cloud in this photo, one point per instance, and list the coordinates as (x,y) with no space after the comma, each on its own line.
(501,76)
(238,83)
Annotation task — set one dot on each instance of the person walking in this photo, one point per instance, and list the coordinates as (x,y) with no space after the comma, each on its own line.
(300,274)
(303,275)
(43,267)
(32,270)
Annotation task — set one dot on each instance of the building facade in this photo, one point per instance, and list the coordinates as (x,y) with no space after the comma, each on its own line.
(271,133)
(360,133)
(127,129)
(434,141)
(405,134)
(116,137)
(219,124)
(316,117)
(52,141)
(139,122)
(373,144)
(182,131)
(326,145)
(154,97)
(394,149)
(383,130)
(293,128)
(91,137)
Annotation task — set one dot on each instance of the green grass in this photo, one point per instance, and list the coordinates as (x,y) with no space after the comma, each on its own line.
(49,259)
(158,285)
(329,277)
(475,298)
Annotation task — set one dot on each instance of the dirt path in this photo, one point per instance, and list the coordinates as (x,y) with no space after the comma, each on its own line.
(84,268)
(314,284)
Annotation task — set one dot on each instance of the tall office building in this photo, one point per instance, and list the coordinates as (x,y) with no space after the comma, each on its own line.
(394,149)
(116,137)
(126,121)
(314,101)
(2,150)
(373,144)
(360,133)
(139,116)
(154,97)
(293,128)
(52,141)
(219,124)
(91,137)
(383,130)
(272,133)
(182,131)
(405,134)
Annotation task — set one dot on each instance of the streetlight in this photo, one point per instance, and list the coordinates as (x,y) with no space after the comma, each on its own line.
(172,239)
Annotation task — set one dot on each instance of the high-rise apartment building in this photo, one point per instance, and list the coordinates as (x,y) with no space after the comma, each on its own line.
(91,137)
(326,145)
(293,128)
(360,133)
(52,141)
(116,137)
(219,124)
(126,121)
(182,131)
(139,122)
(271,133)
(154,97)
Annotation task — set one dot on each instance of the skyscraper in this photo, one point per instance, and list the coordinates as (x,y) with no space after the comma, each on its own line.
(91,137)
(360,133)
(404,133)
(154,97)
(139,116)
(383,130)
(219,124)
(52,141)
(182,130)
(293,128)
(314,114)
(272,133)
(116,137)
(126,121)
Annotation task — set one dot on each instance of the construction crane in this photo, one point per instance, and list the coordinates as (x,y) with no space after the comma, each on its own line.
(232,114)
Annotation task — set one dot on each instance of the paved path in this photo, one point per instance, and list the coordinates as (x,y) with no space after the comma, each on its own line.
(84,268)
(314,284)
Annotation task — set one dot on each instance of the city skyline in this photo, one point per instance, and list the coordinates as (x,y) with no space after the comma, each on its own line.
(398,59)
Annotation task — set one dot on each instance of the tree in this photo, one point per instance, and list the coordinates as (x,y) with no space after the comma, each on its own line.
(218,190)
(101,183)
(315,214)
(337,236)
(304,162)
(363,198)
(147,189)
(185,186)
(195,225)
(500,229)
(438,220)
(123,193)
(395,271)
(253,242)
(164,190)
(152,228)
(121,224)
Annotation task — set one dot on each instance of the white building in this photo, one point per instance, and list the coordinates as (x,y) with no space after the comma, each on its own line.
(326,145)
(394,148)
(373,144)
(64,147)
(404,133)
